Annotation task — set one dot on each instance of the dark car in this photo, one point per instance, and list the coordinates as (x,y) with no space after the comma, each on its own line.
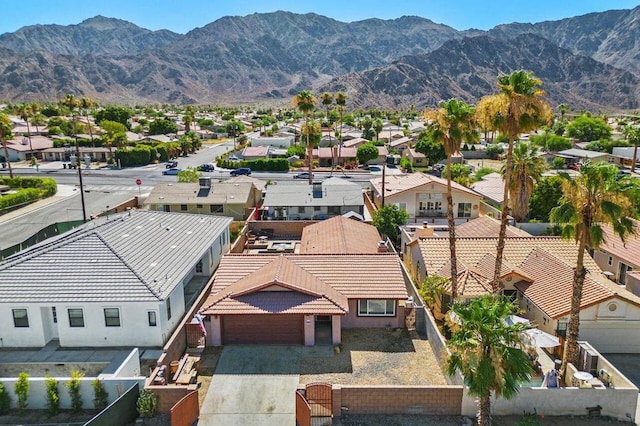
(171,164)
(172,171)
(241,171)
(207,167)
(303,175)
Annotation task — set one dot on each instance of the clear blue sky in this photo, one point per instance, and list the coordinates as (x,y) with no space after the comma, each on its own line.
(184,15)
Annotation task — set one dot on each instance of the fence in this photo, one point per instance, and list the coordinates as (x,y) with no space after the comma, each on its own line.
(121,412)
(186,411)
(46,232)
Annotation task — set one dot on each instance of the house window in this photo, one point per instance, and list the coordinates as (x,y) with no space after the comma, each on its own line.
(377,308)
(76,317)
(151,318)
(316,208)
(215,208)
(622,273)
(20,318)
(199,206)
(561,330)
(464,209)
(300,209)
(183,207)
(333,210)
(610,261)
(199,267)
(168,308)
(112,317)
(54,314)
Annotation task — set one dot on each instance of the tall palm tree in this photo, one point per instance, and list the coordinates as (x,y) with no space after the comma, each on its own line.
(5,132)
(306,104)
(518,108)
(341,101)
(563,108)
(487,351)
(526,170)
(36,118)
(326,99)
(632,133)
(594,198)
(87,105)
(452,123)
(25,113)
(377,127)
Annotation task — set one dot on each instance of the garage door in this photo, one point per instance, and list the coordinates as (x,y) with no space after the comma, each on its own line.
(263,329)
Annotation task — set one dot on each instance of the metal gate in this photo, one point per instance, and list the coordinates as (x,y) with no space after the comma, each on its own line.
(319,397)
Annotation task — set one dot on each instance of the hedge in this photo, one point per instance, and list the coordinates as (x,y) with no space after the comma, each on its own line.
(61,143)
(139,155)
(29,189)
(263,164)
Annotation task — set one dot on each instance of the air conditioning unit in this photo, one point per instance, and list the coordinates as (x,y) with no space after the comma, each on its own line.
(205,182)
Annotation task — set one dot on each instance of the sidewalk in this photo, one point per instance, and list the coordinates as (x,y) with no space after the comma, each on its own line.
(64,192)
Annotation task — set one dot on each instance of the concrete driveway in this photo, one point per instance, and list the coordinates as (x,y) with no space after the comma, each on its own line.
(253,385)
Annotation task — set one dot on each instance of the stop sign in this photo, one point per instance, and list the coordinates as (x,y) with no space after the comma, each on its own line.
(138,182)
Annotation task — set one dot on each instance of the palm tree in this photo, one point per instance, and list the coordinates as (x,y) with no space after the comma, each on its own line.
(563,108)
(341,101)
(487,351)
(36,118)
(518,108)
(452,123)
(86,105)
(377,127)
(25,113)
(5,132)
(632,134)
(326,99)
(594,198)
(306,103)
(526,171)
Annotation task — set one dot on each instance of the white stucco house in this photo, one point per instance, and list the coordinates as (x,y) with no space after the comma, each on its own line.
(125,281)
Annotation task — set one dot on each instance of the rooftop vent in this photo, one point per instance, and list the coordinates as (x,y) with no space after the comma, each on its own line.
(382,247)
(205,182)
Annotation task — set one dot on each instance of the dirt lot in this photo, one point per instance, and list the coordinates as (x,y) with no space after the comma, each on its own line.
(374,357)
(208,362)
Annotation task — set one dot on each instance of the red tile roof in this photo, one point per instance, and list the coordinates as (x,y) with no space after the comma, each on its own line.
(339,235)
(395,184)
(629,251)
(486,226)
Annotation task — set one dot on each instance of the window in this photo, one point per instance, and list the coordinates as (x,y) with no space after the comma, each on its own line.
(464,209)
(215,208)
(622,273)
(199,267)
(379,308)
(20,318)
(151,317)
(168,308)
(54,314)
(112,317)
(301,210)
(316,208)
(199,206)
(610,261)
(76,317)
(183,207)
(333,210)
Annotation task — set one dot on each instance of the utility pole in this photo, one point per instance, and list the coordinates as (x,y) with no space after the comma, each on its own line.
(384,169)
(79,164)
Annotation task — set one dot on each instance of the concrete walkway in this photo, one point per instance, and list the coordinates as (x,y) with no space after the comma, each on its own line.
(253,385)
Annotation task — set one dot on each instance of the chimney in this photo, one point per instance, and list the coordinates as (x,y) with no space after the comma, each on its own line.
(382,247)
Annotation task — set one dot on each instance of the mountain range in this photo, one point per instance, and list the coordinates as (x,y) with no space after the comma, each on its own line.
(588,62)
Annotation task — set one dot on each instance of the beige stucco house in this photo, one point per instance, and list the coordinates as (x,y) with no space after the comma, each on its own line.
(618,258)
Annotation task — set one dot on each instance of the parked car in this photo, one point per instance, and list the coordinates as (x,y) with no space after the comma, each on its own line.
(375,168)
(171,171)
(207,167)
(303,175)
(171,164)
(241,171)
(575,166)
(233,158)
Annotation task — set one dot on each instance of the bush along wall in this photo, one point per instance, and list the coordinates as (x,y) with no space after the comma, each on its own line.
(264,165)
(28,189)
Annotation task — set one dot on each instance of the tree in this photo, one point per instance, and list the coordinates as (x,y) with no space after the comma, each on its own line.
(632,133)
(366,152)
(115,134)
(562,108)
(526,170)
(86,105)
(341,101)
(188,118)
(451,124)
(5,132)
(189,174)
(587,129)
(557,143)
(388,218)
(431,149)
(558,163)
(326,99)
(306,104)
(114,113)
(494,150)
(377,127)
(545,197)
(518,108)
(487,351)
(162,126)
(594,198)
(25,112)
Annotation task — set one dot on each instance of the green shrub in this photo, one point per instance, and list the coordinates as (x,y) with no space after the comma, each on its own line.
(100,395)
(29,189)
(21,389)
(139,155)
(147,403)
(262,164)
(406,165)
(5,400)
(53,397)
(73,386)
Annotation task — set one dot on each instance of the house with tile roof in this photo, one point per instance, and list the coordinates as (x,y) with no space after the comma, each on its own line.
(616,257)
(302,201)
(122,281)
(231,199)
(288,298)
(538,273)
(417,159)
(424,196)
(341,235)
(20,149)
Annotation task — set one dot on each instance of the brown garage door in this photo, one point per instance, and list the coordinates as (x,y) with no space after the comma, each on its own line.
(263,329)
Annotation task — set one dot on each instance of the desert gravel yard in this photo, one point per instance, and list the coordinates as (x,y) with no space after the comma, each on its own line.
(376,357)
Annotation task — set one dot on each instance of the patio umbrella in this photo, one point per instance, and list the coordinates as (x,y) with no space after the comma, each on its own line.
(541,339)
(515,319)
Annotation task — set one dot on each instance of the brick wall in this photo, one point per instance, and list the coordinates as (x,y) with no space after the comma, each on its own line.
(291,228)
(431,400)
